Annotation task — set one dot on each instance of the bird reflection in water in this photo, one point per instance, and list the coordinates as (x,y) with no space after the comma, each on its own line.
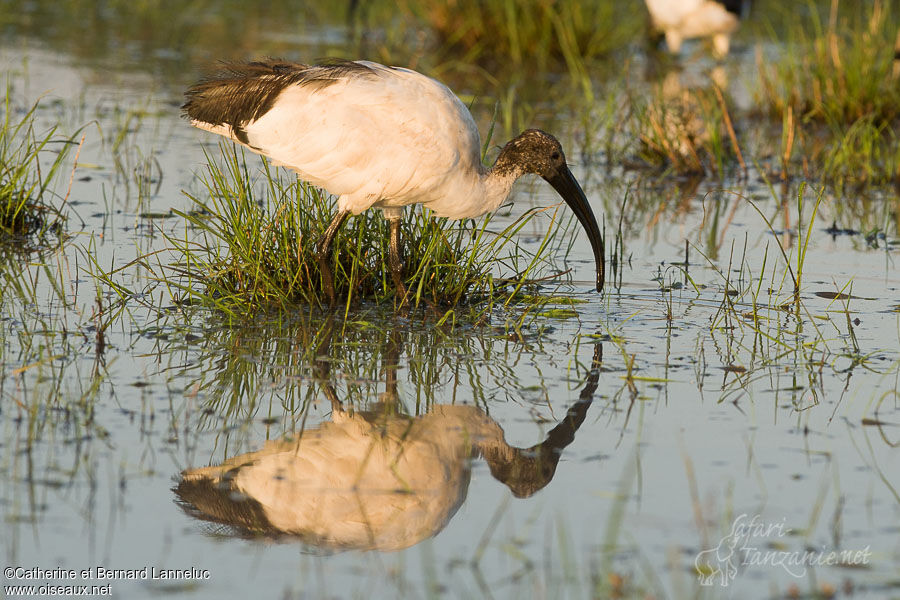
(372,480)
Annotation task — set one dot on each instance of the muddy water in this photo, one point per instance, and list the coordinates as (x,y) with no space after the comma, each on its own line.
(686,417)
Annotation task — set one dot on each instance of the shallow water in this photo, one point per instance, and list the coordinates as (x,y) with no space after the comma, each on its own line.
(712,423)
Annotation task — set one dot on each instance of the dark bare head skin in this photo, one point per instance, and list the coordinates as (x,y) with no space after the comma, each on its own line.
(532,151)
(527,470)
(535,151)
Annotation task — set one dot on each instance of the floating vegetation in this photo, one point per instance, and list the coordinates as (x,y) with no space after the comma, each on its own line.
(250,244)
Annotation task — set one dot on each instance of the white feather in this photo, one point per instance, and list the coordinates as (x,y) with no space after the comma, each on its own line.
(684,19)
(387,141)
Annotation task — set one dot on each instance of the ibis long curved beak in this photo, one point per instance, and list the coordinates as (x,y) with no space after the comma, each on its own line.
(567,187)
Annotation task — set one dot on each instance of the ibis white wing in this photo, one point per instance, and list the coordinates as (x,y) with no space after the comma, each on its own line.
(390,139)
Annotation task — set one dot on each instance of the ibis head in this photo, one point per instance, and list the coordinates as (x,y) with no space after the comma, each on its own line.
(535,151)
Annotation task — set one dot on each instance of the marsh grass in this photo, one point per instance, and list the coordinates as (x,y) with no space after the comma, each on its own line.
(768,322)
(251,243)
(688,131)
(835,89)
(839,70)
(529,34)
(27,215)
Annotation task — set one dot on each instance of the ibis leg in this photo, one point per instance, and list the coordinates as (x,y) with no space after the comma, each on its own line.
(323,250)
(394,256)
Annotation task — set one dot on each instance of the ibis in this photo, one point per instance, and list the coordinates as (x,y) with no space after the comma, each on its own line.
(368,480)
(376,479)
(377,136)
(679,20)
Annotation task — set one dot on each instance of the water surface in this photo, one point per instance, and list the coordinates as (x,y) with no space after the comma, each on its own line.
(583,456)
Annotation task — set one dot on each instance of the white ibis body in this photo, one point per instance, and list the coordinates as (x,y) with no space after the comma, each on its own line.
(377,136)
(679,20)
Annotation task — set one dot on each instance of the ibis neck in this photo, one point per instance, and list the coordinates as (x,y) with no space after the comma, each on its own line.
(497,186)
(499,179)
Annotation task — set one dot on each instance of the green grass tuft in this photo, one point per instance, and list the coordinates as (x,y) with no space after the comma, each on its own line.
(835,88)
(252,244)
(525,33)
(25,212)
(841,70)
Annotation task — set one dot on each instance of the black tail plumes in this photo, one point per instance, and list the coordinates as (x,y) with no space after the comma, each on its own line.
(241,92)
